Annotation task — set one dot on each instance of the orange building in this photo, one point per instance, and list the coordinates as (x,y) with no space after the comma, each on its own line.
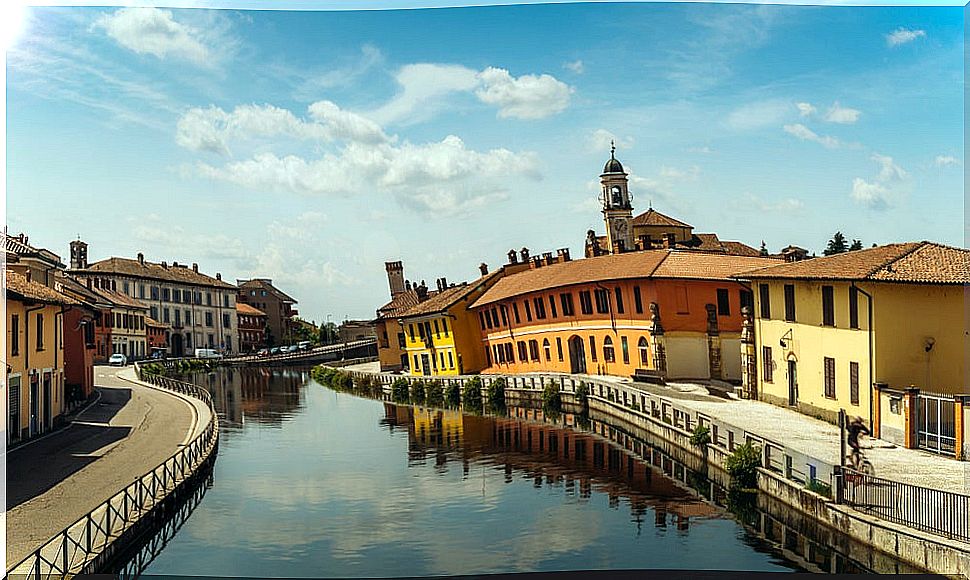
(674,312)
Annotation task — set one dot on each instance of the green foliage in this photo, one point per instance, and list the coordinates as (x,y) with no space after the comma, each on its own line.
(820,487)
(551,399)
(856,245)
(582,394)
(836,245)
(701,436)
(453,394)
(434,394)
(742,465)
(334,378)
(417,391)
(496,393)
(399,390)
(153,369)
(744,505)
(764,249)
(471,396)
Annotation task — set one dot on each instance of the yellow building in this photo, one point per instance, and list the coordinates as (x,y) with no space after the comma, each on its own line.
(387,325)
(35,356)
(827,329)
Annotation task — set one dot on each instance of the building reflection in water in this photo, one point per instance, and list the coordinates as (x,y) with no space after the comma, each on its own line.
(550,455)
(262,395)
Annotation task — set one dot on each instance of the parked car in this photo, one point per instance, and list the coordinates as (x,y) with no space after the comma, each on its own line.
(304,345)
(207,353)
(274,350)
(292,348)
(263,352)
(118,360)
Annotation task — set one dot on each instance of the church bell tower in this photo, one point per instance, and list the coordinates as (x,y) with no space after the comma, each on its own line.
(617,210)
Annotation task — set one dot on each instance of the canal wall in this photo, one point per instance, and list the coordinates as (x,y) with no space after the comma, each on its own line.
(784,477)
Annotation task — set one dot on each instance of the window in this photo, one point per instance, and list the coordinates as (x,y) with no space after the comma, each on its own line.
(723,302)
(444,326)
(515,312)
(141,290)
(208,319)
(509,356)
(40,331)
(552,305)
(585,302)
(208,298)
(528,311)
(417,363)
(566,300)
(789,303)
(559,348)
(767,364)
(262,292)
(505,315)
(225,301)
(828,306)
(451,360)
(437,329)
(420,331)
(854,383)
(829,377)
(154,312)
(746,298)
(188,317)
(212,340)
(534,350)
(125,286)
(625,347)
(853,307)
(637,300)
(178,316)
(619,299)
(481,319)
(608,354)
(523,354)
(495,317)
(441,355)
(15,334)
(497,353)
(592,348)
(764,297)
(166,295)
(165,315)
(602,300)
(226,322)
(117,320)
(642,346)
(154,292)
(540,307)
(411,332)
(488,357)
(547,348)
(176,295)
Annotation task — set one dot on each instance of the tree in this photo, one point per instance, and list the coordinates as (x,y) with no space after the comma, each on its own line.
(328,333)
(764,248)
(856,245)
(836,245)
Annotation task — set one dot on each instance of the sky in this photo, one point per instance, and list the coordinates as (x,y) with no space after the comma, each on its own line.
(312,146)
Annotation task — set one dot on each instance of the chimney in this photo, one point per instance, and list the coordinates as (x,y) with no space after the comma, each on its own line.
(164,264)
(218,276)
(563,254)
(437,283)
(141,258)
(547,256)
(513,257)
(537,262)
(175,264)
(407,285)
(195,267)
(525,254)
(483,268)
(395,277)
(444,282)
(422,292)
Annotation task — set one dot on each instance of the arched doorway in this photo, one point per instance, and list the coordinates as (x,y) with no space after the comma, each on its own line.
(577,355)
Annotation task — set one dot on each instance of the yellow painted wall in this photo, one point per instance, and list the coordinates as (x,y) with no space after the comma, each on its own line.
(442,345)
(30,362)
(389,356)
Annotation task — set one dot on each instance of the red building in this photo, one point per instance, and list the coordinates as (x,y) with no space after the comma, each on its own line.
(157,336)
(252,327)
(80,344)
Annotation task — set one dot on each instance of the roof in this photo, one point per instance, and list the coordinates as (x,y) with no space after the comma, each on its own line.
(740,249)
(399,303)
(708,242)
(441,300)
(652,217)
(171,273)
(120,299)
(77,290)
(19,247)
(19,288)
(149,321)
(267,284)
(613,165)
(686,264)
(247,310)
(911,262)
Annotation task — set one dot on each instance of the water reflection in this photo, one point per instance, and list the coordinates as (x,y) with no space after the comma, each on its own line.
(266,396)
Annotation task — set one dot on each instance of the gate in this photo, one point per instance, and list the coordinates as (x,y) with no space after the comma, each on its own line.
(936,423)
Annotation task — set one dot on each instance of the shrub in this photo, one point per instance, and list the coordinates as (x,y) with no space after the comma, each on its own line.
(496,393)
(582,394)
(471,396)
(820,487)
(701,436)
(453,394)
(551,398)
(342,381)
(742,465)
(417,391)
(399,390)
(434,394)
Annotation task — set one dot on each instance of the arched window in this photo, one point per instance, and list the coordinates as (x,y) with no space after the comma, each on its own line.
(608,353)
(546,347)
(523,355)
(534,350)
(644,354)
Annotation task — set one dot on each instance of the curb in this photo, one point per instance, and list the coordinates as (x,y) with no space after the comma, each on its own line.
(59,430)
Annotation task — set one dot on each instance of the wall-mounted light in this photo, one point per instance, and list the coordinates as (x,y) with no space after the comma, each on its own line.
(928,343)
(783,342)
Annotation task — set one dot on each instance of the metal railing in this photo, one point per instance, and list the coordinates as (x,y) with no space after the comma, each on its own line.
(931,510)
(77,548)
(314,352)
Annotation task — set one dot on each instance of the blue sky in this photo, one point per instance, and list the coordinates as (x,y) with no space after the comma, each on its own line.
(312,146)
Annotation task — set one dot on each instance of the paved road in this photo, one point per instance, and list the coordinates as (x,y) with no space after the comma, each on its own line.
(54,481)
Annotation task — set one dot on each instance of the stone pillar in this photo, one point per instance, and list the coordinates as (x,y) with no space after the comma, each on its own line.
(713,342)
(909,416)
(960,405)
(749,358)
(657,335)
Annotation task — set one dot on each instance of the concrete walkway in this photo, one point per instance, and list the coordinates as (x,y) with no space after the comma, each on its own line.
(55,480)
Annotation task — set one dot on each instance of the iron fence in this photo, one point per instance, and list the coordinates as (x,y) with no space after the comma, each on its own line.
(74,549)
(931,510)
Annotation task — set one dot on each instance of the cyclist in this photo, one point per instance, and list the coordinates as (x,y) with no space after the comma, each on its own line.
(856,428)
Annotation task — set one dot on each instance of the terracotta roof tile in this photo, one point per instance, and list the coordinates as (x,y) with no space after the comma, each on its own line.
(262,283)
(740,249)
(912,262)
(439,301)
(247,310)
(399,303)
(19,288)
(180,274)
(120,299)
(652,217)
(149,321)
(707,266)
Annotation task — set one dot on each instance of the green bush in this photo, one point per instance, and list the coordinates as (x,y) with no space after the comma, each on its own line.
(434,394)
(701,436)
(551,398)
(417,392)
(453,394)
(471,396)
(399,390)
(496,393)
(742,465)
(820,487)
(582,394)
(342,381)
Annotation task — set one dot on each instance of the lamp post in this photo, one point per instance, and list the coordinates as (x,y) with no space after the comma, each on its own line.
(328,328)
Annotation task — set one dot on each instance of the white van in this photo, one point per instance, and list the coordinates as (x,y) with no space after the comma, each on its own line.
(207,353)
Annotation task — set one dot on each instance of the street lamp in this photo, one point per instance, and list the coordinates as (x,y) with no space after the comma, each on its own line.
(328,327)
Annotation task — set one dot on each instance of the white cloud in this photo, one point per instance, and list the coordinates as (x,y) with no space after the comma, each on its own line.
(903,35)
(423,86)
(946,161)
(839,114)
(601,139)
(870,194)
(524,97)
(576,66)
(758,115)
(154,31)
(787,205)
(805,109)
(806,134)
(888,171)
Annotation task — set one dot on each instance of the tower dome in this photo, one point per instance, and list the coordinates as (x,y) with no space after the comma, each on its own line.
(613,165)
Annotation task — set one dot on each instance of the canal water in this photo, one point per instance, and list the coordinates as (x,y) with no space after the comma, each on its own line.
(312,482)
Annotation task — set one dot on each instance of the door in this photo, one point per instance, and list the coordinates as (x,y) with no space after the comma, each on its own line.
(34,406)
(425,365)
(577,355)
(13,428)
(936,423)
(792,384)
(48,402)
(177,348)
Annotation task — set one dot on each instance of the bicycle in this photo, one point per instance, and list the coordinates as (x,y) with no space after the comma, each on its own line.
(859,462)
